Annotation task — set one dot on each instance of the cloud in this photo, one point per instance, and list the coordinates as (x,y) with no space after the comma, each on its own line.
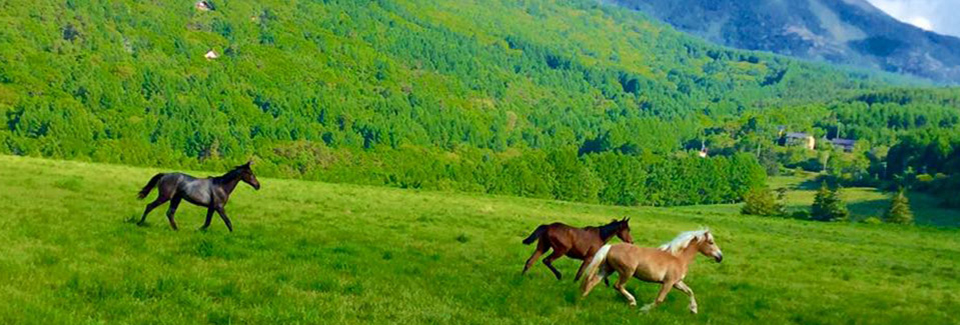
(935,15)
(921,22)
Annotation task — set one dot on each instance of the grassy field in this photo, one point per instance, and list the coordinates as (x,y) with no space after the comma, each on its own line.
(306,252)
(863,202)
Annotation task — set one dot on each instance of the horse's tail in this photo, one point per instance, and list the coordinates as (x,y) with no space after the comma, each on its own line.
(535,235)
(594,266)
(150,185)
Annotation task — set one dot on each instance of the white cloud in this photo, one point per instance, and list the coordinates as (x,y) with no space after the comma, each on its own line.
(921,22)
(934,15)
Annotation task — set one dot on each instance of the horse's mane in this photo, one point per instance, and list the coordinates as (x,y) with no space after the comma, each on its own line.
(232,173)
(683,240)
(609,229)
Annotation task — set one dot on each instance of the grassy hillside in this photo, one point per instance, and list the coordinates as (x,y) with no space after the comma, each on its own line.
(316,252)
(863,202)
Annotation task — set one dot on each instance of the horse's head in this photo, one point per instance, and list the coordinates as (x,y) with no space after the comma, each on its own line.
(708,247)
(247,176)
(623,230)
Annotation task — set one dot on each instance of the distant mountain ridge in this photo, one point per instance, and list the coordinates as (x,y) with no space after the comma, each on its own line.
(838,31)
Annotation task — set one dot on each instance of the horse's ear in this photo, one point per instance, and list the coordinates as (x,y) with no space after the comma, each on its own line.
(248,163)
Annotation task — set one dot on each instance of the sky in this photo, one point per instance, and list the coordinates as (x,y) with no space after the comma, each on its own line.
(940,16)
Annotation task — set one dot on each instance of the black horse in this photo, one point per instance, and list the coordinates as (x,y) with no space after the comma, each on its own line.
(211,192)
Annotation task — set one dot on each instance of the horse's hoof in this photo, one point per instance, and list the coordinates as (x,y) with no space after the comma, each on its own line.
(646,308)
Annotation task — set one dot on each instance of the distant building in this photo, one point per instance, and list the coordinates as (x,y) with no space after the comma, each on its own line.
(846,144)
(211,55)
(204,5)
(800,139)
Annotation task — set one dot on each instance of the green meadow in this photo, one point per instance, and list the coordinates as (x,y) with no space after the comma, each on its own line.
(863,202)
(309,252)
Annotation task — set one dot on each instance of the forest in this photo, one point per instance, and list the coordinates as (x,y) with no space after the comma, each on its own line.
(571,100)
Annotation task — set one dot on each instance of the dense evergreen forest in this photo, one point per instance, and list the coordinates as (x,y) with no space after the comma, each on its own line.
(572,100)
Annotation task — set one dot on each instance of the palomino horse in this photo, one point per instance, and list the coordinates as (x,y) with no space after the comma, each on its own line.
(666,265)
(211,192)
(576,243)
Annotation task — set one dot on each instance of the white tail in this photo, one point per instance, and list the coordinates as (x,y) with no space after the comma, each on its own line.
(594,265)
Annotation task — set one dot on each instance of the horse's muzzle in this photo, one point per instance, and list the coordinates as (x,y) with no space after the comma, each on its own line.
(718,257)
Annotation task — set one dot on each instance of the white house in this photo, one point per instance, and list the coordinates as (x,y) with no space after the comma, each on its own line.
(203,6)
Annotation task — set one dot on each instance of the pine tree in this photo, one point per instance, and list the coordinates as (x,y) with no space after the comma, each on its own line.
(899,211)
(828,206)
(819,209)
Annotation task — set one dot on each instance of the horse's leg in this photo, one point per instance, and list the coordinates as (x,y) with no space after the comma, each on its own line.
(206,222)
(223,215)
(173,210)
(625,276)
(542,247)
(592,282)
(553,257)
(664,289)
(152,205)
(606,270)
(685,289)
(586,260)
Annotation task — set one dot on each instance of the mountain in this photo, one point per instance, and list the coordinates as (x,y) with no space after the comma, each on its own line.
(838,31)
(130,81)
(565,99)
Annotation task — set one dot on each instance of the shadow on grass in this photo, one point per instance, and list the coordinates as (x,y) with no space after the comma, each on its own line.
(811,184)
(867,208)
(925,211)
(134,219)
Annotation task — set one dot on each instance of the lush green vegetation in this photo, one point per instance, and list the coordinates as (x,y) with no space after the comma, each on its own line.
(899,211)
(570,100)
(828,205)
(761,202)
(313,252)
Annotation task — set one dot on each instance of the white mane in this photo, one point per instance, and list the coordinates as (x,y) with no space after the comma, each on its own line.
(683,240)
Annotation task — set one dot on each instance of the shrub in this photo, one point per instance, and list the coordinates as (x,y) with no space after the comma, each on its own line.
(801,215)
(899,210)
(761,202)
(782,193)
(872,221)
(828,206)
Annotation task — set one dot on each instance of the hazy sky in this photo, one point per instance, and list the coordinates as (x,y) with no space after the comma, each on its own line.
(940,16)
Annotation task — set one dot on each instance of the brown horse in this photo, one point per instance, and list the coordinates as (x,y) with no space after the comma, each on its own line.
(576,243)
(666,265)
